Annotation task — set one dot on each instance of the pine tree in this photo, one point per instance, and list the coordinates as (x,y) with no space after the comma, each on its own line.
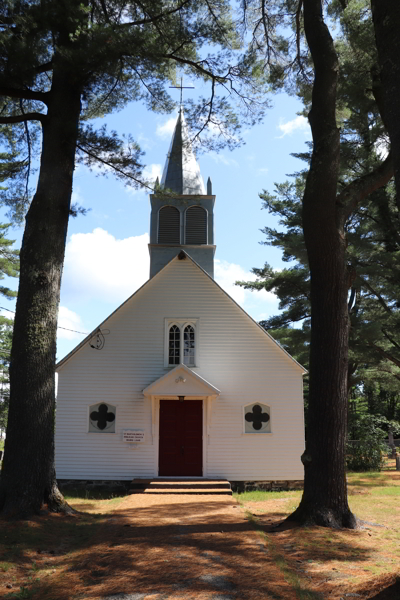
(62,63)
(335,186)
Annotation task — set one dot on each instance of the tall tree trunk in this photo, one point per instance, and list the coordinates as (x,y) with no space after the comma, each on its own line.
(324,500)
(386,18)
(28,476)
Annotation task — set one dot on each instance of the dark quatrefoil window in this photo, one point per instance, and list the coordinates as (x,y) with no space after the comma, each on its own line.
(102,418)
(257,418)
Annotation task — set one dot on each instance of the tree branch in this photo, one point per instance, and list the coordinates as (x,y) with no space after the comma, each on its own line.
(377,295)
(32,116)
(362,187)
(24,94)
(113,167)
(385,354)
(390,338)
(156,17)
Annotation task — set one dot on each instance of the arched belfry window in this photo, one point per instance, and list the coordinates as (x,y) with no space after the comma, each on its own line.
(196,225)
(169,225)
(174,345)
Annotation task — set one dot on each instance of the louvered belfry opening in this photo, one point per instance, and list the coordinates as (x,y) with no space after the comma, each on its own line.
(169,225)
(196,225)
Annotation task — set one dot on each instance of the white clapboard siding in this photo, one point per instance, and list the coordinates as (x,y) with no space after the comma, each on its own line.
(234,355)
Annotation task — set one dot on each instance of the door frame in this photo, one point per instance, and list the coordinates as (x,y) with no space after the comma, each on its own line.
(156,429)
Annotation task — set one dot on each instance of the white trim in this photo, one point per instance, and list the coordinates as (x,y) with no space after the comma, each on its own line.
(181,323)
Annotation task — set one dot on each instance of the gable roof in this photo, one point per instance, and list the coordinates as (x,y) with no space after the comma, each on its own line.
(182,255)
(181,381)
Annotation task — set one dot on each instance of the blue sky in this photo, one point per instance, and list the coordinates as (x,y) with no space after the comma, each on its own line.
(107,257)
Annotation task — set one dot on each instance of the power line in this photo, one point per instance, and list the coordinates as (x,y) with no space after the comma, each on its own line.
(58,326)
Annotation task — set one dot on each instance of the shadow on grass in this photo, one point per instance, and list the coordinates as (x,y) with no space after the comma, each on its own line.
(370,480)
(392,592)
(161,548)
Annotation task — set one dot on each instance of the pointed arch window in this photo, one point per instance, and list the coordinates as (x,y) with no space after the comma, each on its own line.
(188,345)
(196,225)
(181,342)
(174,345)
(169,225)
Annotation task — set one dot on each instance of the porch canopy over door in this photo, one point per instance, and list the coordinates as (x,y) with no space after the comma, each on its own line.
(180,385)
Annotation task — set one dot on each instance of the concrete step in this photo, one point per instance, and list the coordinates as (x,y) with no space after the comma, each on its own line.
(181,486)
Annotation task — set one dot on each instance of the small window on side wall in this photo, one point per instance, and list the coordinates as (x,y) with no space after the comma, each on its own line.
(102,418)
(257,418)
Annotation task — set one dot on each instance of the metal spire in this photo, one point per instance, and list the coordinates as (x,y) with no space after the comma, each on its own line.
(181,171)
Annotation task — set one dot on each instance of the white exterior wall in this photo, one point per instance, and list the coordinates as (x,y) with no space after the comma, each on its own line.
(234,355)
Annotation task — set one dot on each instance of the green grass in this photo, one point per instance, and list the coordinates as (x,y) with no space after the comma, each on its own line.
(1,444)
(261,496)
(386,491)
(83,495)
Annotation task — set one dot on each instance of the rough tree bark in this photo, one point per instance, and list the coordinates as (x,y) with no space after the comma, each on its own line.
(28,475)
(324,501)
(386,19)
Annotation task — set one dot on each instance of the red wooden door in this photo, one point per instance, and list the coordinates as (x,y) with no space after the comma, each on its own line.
(181,438)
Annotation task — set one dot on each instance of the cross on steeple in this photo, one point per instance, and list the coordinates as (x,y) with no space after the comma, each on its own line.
(182,87)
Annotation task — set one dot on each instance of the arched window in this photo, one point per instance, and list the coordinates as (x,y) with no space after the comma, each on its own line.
(169,225)
(181,341)
(196,225)
(188,346)
(174,345)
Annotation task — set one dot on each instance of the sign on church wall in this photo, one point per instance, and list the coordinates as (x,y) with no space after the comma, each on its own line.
(133,436)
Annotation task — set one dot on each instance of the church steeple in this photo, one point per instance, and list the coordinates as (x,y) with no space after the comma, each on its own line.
(182,212)
(181,171)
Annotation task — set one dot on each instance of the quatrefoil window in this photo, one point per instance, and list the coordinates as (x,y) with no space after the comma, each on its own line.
(102,418)
(257,418)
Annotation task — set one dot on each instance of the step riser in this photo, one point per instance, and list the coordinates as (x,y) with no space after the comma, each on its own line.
(177,486)
(180,493)
(181,486)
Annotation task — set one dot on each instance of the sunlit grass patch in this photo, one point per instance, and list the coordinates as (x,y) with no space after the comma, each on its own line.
(262,496)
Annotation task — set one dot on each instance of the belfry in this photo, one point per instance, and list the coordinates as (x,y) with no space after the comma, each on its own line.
(182,211)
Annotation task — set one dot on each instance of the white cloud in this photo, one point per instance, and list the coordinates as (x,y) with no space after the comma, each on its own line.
(149,175)
(226,274)
(71,321)
(262,170)
(167,128)
(9,314)
(151,172)
(300,123)
(222,159)
(99,266)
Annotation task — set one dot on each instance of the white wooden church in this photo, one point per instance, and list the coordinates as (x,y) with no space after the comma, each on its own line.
(180,381)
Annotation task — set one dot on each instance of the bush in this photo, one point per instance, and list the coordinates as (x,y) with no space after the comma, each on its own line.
(366,453)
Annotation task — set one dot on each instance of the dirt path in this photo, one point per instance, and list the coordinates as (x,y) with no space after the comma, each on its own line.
(174,547)
(180,547)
